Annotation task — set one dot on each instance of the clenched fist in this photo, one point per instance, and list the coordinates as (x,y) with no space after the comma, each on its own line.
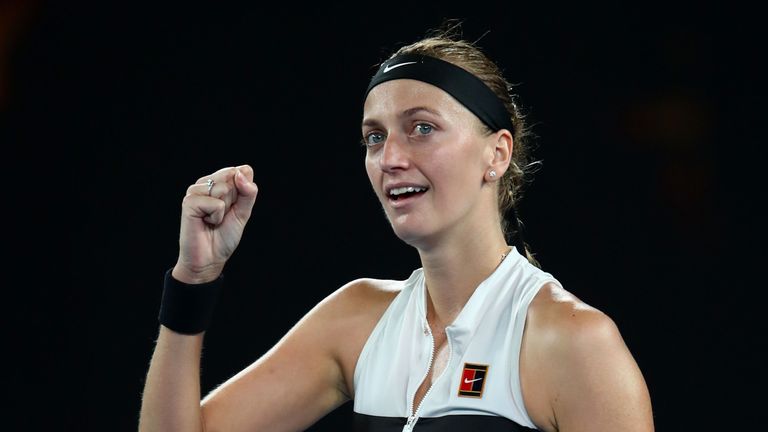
(213,216)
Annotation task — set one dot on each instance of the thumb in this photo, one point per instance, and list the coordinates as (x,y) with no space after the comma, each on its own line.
(246,192)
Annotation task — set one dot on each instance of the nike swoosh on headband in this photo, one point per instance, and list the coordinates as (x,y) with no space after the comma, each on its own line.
(388,68)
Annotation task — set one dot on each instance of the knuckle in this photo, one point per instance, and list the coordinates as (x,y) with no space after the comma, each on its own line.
(221,206)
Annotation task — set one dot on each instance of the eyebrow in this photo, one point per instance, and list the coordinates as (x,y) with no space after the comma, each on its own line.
(407,113)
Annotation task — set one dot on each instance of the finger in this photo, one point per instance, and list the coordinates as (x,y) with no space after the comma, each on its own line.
(247,171)
(221,185)
(209,209)
(223,175)
(220,175)
(229,184)
(217,216)
(203,189)
(222,190)
(246,193)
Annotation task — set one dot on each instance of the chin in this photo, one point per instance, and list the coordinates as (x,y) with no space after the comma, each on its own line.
(413,234)
(407,237)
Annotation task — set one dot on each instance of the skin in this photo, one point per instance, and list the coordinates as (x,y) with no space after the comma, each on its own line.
(576,372)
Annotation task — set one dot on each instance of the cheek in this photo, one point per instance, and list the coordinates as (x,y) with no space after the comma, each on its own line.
(372,171)
(461,167)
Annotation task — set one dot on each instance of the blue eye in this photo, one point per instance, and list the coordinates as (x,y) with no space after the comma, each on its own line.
(423,129)
(373,138)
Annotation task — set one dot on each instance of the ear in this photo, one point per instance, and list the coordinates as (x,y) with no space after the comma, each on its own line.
(501,145)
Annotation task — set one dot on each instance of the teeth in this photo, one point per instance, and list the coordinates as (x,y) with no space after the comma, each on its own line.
(405,189)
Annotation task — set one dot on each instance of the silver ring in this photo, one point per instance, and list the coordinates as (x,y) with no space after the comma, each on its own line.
(209,184)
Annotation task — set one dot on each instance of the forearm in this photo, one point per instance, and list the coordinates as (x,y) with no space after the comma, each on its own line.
(171,398)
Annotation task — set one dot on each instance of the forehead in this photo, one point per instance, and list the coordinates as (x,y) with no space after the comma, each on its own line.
(396,96)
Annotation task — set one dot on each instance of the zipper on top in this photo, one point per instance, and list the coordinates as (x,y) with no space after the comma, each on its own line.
(414,414)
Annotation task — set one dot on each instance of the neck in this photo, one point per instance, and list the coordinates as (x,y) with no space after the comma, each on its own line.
(454,269)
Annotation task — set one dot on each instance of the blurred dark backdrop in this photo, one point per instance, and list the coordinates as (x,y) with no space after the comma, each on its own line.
(647,204)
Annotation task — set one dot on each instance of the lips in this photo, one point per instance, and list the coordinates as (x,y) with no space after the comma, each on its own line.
(401,193)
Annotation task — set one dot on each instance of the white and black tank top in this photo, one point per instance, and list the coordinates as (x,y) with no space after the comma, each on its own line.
(479,389)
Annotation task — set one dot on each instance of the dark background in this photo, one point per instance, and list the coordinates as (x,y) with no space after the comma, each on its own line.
(646,206)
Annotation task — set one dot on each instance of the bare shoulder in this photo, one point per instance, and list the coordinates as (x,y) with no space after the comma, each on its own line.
(585,373)
(562,321)
(361,299)
(569,332)
(353,311)
(368,290)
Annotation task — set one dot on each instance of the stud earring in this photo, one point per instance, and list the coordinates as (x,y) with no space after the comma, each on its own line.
(492,174)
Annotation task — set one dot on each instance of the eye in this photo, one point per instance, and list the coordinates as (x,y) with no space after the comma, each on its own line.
(372,138)
(423,129)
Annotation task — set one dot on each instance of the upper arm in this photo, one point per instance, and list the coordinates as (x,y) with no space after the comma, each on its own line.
(580,374)
(599,386)
(300,379)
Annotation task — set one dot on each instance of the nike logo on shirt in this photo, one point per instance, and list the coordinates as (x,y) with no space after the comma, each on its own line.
(469,381)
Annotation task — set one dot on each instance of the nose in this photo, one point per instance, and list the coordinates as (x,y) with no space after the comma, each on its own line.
(394,155)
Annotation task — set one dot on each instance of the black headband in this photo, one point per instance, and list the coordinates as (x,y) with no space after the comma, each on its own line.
(465,87)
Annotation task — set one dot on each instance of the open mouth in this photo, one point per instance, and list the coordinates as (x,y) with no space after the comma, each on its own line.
(402,193)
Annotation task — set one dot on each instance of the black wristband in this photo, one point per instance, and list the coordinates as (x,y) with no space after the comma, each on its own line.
(188,308)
